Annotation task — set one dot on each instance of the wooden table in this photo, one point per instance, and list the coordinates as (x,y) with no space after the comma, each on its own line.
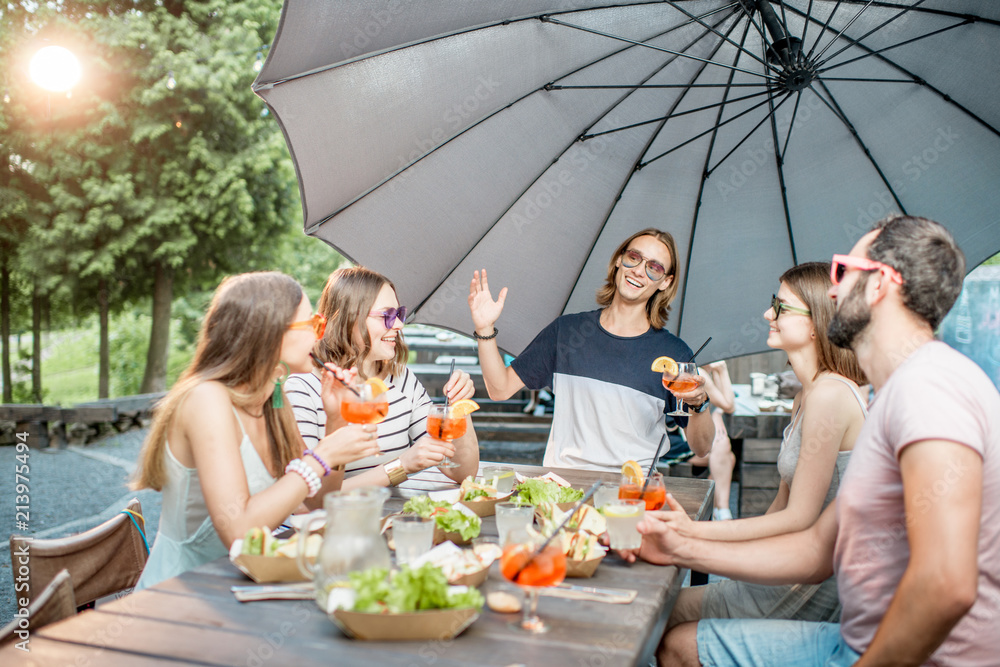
(194,619)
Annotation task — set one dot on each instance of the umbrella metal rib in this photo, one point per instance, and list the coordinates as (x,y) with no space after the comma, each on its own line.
(916,79)
(873,30)
(738,46)
(888,48)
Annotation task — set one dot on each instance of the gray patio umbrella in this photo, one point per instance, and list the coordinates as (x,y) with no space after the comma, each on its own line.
(530,137)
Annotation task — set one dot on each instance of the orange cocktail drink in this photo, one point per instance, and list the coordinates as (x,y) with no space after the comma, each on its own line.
(654,495)
(546,569)
(681,384)
(364,412)
(445,427)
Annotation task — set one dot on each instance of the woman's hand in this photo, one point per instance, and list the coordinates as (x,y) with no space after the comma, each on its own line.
(333,390)
(348,443)
(425,453)
(485,311)
(459,386)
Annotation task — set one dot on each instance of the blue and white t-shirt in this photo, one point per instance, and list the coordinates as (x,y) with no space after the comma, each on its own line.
(609,405)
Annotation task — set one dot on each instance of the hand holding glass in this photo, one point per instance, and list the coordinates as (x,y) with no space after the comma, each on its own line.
(683,381)
(444,423)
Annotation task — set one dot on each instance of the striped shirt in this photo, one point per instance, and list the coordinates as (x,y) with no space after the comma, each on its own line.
(405,423)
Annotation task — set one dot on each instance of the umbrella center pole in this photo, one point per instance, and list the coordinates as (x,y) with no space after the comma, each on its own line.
(785,51)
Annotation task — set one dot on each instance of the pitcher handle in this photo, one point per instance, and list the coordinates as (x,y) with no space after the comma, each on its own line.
(308,571)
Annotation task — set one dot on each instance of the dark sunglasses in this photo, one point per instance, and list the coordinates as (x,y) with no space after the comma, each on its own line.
(390,315)
(633,258)
(840,264)
(777,305)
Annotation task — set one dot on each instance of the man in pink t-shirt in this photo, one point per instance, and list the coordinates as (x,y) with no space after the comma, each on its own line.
(914,536)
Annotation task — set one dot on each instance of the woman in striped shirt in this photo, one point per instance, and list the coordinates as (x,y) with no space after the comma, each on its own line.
(364,334)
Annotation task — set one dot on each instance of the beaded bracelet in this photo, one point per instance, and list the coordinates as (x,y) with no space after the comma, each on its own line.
(326,469)
(308,475)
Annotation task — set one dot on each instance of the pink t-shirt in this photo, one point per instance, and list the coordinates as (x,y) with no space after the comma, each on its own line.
(936,393)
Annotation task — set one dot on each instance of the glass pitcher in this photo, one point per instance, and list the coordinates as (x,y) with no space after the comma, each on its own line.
(352,539)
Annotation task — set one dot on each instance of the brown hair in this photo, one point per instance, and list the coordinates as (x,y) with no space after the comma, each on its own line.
(239,345)
(811,283)
(927,257)
(658,306)
(347,299)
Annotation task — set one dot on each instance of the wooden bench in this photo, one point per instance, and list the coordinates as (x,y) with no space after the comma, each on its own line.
(758,475)
(48,425)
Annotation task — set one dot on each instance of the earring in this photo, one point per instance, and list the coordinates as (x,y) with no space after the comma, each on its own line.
(277,398)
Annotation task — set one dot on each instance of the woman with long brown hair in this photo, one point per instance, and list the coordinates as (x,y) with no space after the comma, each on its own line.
(364,334)
(224,439)
(827,415)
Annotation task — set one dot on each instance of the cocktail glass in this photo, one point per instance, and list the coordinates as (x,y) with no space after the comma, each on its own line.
(522,566)
(623,516)
(653,492)
(444,423)
(363,407)
(682,382)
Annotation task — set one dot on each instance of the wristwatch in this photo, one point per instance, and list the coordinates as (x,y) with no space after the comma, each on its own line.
(700,408)
(396,472)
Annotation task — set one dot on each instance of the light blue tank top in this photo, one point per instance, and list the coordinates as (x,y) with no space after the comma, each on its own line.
(186,537)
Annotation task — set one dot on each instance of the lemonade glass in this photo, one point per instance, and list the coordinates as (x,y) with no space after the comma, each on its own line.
(521,565)
(623,516)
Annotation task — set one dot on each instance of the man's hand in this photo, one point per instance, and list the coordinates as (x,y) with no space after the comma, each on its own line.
(485,311)
(659,541)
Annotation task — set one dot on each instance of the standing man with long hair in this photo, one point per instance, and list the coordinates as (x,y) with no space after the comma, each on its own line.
(609,405)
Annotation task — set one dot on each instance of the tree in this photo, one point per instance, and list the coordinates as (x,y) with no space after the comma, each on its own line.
(161,173)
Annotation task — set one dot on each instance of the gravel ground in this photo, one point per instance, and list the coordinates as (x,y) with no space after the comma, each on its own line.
(70,490)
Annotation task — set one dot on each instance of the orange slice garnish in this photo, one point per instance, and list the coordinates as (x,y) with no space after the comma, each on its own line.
(633,471)
(664,365)
(464,407)
(378,387)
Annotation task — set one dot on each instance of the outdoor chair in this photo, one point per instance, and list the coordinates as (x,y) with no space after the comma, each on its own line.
(104,560)
(53,604)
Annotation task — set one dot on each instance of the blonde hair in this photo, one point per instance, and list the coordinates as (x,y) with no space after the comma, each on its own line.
(658,305)
(347,298)
(811,283)
(239,345)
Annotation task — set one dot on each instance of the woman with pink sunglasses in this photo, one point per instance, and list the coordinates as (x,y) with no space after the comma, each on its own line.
(364,339)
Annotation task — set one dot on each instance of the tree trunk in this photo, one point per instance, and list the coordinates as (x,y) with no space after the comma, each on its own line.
(36,344)
(155,376)
(8,381)
(104,356)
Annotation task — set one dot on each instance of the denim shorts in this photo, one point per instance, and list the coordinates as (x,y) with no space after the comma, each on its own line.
(758,642)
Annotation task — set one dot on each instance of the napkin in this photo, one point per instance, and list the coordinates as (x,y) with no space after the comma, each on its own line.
(299,591)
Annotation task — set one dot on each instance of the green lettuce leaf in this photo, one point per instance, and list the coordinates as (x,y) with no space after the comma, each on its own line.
(408,590)
(534,491)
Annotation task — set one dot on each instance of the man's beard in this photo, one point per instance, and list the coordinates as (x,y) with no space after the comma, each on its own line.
(851,318)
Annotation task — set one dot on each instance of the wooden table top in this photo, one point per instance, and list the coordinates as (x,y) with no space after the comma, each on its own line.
(195,619)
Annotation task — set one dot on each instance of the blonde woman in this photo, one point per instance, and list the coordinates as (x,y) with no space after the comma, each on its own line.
(827,415)
(224,449)
(364,334)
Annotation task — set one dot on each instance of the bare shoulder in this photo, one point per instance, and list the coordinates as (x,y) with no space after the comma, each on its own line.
(830,390)
(207,400)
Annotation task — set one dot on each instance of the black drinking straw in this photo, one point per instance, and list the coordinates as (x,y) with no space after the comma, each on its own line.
(324,367)
(586,497)
(700,349)
(451,371)
(656,457)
